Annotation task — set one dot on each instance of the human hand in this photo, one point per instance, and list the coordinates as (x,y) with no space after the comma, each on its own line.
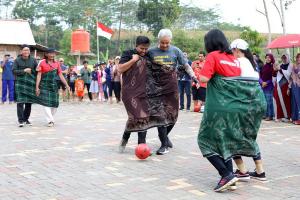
(135,57)
(69,89)
(195,80)
(264,84)
(27,70)
(288,92)
(37,91)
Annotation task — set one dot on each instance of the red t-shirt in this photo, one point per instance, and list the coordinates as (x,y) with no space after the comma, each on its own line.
(197,67)
(222,64)
(45,67)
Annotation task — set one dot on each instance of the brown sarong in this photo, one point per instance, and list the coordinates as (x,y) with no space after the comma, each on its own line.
(150,96)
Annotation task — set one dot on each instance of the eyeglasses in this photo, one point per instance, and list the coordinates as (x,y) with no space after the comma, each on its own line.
(61,61)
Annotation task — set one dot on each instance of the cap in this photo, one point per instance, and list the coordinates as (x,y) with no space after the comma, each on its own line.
(51,50)
(25,46)
(239,44)
(117,58)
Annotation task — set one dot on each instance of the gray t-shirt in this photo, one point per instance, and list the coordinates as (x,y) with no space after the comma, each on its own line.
(173,56)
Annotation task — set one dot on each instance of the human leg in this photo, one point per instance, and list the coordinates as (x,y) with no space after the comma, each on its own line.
(163,137)
(181,94)
(4,90)
(187,89)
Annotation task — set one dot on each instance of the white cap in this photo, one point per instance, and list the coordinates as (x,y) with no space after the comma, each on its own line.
(239,44)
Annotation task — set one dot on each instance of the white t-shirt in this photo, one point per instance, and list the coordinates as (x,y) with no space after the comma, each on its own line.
(247,69)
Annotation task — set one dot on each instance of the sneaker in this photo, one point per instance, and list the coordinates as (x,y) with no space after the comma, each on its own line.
(21,124)
(297,122)
(255,175)
(50,124)
(170,144)
(181,109)
(122,145)
(202,109)
(225,182)
(242,176)
(232,187)
(162,150)
(28,123)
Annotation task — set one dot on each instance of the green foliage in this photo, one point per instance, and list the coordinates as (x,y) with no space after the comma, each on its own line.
(65,47)
(196,18)
(158,14)
(191,45)
(254,39)
(28,9)
(104,56)
(53,20)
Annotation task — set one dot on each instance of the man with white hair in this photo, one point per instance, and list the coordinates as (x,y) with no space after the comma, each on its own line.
(163,90)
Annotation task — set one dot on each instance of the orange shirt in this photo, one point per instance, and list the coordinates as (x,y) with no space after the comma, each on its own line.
(79,86)
(197,67)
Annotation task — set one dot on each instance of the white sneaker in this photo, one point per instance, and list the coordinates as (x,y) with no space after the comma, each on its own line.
(21,124)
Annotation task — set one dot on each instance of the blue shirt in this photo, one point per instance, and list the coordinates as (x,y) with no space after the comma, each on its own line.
(7,73)
(63,68)
(173,56)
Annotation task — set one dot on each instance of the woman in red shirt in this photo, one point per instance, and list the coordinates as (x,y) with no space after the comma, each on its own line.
(46,87)
(233,111)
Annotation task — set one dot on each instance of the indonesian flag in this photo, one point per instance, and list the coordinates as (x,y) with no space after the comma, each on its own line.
(104,31)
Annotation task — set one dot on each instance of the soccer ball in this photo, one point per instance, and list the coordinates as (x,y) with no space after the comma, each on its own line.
(142,151)
(196,108)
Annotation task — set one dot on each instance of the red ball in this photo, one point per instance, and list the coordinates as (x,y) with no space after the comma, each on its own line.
(142,151)
(196,108)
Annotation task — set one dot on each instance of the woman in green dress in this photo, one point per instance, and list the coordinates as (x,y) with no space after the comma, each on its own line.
(233,112)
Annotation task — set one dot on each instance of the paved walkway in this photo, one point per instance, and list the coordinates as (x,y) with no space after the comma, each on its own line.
(79,159)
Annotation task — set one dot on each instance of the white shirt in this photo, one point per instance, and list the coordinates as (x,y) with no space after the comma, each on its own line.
(247,68)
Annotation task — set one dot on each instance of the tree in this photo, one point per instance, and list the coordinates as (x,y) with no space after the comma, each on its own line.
(192,44)
(197,18)
(266,14)
(6,4)
(65,47)
(158,14)
(253,38)
(28,9)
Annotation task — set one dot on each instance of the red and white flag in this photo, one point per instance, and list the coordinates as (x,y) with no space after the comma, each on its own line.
(104,31)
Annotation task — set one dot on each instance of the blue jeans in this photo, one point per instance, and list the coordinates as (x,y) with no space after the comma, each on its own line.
(185,87)
(270,106)
(8,85)
(107,86)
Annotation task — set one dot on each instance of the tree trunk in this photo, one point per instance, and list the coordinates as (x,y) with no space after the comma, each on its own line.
(268,21)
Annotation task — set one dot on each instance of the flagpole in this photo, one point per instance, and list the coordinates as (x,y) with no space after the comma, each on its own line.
(98,59)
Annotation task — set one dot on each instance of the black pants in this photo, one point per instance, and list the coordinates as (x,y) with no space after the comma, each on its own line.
(141,136)
(23,111)
(163,133)
(117,90)
(224,168)
(88,89)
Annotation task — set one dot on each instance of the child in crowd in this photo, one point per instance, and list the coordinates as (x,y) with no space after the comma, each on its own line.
(72,76)
(94,88)
(79,86)
(101,79)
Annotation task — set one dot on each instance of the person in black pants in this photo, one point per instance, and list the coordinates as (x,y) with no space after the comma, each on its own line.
(23,111)
(85,73)
(24,67)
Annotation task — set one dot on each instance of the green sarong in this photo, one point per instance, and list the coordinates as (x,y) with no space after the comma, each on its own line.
(233,113)
(25,89)
(49,92)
